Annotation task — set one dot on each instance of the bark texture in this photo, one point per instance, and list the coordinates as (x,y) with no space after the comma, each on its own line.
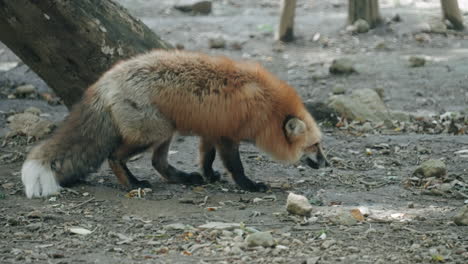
(69,44)
(364,9)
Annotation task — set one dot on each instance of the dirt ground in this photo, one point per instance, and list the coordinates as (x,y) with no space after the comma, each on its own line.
(406,223)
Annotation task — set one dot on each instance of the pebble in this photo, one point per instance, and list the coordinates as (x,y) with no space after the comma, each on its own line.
(25,90)
(327,244)
(33,110)
(177,226)
(339,89)
(416,61)
(298,205)
(200,7)
(342,66)
(217,43)
(361,26)
(461,218)
(264,239)
(220,226)
(431,168)
(344,218)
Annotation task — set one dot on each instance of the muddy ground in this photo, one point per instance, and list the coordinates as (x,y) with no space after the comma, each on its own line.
(407,222)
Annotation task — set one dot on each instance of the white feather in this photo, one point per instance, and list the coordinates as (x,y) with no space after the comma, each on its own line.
(38,180)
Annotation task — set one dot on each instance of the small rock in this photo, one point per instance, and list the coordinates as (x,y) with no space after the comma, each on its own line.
(236,45)
(201,7)
(8,185)
(344,218)
(25,90)
(298,204)
(220,226)
(339,89)
(431,168)
(33,110)
(342,66)
(462,216)
(362,26)
(34,227)
(217,43)
(30,125)
(35,214)
(396,18)
(177,226)
(381,45)
(410,205)
(422,37)
(264,239)
(416,61)
(6,66)
(327,244)
(361,105)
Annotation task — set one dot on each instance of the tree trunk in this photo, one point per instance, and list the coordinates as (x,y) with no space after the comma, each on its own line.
(69,44)
(364,9)
(451,12)
(286,26)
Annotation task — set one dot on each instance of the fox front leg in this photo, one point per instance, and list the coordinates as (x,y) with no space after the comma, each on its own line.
(207,157)
(171,174)
(229,151)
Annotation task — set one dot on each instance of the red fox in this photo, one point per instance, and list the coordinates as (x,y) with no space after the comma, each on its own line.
(140,103)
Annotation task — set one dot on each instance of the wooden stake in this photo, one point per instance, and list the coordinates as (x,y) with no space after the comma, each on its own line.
(451,12)
(286,26)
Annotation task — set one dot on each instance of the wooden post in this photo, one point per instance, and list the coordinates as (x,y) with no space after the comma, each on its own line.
(69,44)
(364,9)
(452,13)
(286,26)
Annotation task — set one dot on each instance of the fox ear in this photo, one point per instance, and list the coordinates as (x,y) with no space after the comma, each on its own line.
(294,127)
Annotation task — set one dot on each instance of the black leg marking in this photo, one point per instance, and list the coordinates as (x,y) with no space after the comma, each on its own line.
(171,174)
(229,152)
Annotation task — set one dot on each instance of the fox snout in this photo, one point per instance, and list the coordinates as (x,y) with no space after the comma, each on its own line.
(317,159)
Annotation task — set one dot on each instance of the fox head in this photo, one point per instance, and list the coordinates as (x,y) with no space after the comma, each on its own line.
(299,137)
(305,137)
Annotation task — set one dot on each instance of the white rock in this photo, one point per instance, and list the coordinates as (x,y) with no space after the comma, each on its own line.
(298,204)
(264,239)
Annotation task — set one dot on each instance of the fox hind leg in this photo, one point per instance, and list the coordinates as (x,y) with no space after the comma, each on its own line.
(229,151)
(117,162)
(207,157)
(170,173)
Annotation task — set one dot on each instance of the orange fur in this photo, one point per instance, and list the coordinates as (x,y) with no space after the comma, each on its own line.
(216,97)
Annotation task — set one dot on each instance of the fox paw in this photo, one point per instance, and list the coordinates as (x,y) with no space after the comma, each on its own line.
(254,186)
(212,176)
(194,178)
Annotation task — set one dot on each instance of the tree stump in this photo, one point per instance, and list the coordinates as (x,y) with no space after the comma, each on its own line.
(452,13)
(286,26)
(69,44)
(367,10)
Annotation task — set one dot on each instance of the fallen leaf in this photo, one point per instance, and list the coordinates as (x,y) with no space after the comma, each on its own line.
(356,213)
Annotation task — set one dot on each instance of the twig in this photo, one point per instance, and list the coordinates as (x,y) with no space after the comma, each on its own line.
(80,204)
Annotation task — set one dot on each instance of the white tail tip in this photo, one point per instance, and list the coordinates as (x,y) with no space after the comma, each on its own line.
(38,180)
